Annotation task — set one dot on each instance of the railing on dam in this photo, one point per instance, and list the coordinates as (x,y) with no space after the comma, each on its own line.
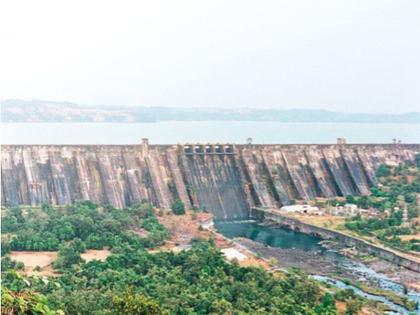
(209,149)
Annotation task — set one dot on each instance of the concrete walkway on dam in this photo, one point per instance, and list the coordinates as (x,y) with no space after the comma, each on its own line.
(225,179)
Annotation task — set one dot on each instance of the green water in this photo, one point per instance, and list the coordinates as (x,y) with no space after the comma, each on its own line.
(272,236)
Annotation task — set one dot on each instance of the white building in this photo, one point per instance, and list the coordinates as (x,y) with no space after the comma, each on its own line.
(301,209)
(349,209)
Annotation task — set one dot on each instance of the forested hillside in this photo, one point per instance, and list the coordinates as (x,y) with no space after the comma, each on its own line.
(134,281)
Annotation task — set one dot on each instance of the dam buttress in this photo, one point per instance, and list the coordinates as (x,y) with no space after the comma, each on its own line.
(226,180)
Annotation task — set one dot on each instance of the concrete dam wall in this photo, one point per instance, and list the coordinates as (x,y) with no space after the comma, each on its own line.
(226,180)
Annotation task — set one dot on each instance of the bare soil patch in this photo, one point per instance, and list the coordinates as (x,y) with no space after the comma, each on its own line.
(186,227)
(34,259)
(409,237)
(45,259)
(341,307)
(326,221)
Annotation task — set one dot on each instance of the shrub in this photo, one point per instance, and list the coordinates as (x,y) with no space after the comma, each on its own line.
(178,207)
(132,303)
(383,171)
(69,254)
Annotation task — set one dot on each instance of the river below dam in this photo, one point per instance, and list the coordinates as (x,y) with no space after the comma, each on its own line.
(296,249)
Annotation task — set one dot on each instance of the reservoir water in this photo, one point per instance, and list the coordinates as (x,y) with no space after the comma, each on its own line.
(169,132)
(285,243)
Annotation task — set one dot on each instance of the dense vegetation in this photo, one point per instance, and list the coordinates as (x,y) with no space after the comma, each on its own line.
(85,223)
(24,302)
(398,189)
(132,280)
(199,281)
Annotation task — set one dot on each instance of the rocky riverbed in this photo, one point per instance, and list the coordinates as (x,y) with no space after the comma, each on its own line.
(410,279)
(309,261)
(407,278)
(376,272)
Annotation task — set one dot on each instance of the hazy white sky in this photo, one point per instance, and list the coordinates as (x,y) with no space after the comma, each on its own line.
(339,55)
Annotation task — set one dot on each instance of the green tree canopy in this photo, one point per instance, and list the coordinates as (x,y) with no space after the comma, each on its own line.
(383,171)
(178,207)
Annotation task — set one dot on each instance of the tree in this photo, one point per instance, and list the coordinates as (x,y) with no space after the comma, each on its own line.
(350,199)
(8,263)
(78,245)
(353,306)
(327,306)
(25,302)
(363,202)
(383,171)
(417,159)
(94,241)
(83,225)
(178,207)
(134,304)
(65,231)
(219,307)
(68,255)
(47,208)
(9,224)
(5,246)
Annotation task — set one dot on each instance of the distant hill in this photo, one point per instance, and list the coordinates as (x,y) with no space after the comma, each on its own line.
(16,110)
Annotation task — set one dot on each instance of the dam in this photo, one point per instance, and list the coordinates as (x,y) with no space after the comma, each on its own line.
(224,179)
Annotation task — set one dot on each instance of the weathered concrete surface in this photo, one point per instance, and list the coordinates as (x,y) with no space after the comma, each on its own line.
(225,183)
(324,233)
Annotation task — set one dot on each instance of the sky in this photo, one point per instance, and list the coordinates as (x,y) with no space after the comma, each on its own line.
(336,55)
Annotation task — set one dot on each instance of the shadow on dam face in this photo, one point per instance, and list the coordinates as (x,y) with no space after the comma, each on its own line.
(227,180)
(217,186)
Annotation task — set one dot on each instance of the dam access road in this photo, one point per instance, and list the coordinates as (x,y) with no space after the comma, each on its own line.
(224,179)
